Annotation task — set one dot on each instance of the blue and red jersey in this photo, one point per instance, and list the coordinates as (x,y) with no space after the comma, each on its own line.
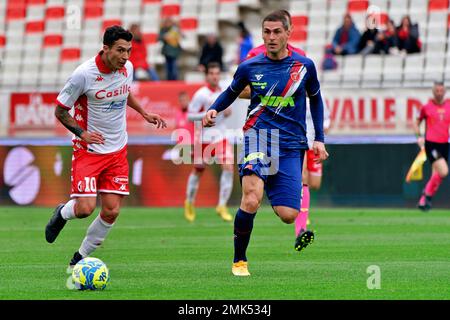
(278,96)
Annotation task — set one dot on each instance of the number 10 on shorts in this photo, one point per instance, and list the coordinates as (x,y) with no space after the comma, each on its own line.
(90,185)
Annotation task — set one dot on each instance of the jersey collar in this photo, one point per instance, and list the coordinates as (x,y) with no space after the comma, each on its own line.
(103,68)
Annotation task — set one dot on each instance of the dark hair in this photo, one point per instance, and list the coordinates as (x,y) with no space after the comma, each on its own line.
(114,33)
(212,65)
(278,16)
(438,83)
(286,14)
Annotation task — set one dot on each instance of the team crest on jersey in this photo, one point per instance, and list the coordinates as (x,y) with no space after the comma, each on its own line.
(295,76)
(259,76)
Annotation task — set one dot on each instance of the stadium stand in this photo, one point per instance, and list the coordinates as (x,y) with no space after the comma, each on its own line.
(42,40)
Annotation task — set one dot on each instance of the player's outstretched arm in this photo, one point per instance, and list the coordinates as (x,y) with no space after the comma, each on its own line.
(69,122)
(153,118)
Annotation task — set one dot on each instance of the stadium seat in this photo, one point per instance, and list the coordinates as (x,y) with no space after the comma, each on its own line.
(351,73)
(298,7)
(56,12)
(254,4)
(169,10)
(93,9)
(70,54)
(392,71)
(372,73)
(318,8)
(189,8)
(417,6)
(447,70)
(433,71)
(36,12)
(110,23)
(413,71)
(188,24)
(52,40)
(357,6)
(437,5)
(381,4)
(15,11)
(228,11)
(35,26)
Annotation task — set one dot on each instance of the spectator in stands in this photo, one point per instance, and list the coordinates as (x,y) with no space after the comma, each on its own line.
(246,43)
(138,57)
(366,43)
(408,36)
(346,38)
(212,51)
(170,35)
(387,41)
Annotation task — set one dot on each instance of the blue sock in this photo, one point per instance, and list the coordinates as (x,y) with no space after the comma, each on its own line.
(243,226)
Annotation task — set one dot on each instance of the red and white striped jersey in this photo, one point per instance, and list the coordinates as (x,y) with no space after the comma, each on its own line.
(99,97)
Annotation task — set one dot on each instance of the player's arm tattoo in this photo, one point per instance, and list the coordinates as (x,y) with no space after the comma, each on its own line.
(68,121)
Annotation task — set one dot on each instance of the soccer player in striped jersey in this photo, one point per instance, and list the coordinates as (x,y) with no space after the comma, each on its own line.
(436,114)
(99,92)
(274,132)
(312,168)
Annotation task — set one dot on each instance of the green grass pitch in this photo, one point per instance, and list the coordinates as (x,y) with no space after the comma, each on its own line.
(153,253)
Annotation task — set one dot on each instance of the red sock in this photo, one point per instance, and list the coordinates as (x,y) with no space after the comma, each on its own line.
(433,184)
(302,217)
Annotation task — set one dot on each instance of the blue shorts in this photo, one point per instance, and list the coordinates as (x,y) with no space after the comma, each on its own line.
(282,176)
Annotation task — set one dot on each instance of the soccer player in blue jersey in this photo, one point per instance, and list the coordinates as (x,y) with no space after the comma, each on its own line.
(274,132)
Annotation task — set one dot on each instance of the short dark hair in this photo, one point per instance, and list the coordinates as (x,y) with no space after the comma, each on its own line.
(278,16)
(287,15)
(438,83)
(114,33)
(212,65)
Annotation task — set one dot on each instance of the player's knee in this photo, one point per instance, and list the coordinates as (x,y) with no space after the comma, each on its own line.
(314,185)
(84,210)
(288,216)
(250,202)
(110,215)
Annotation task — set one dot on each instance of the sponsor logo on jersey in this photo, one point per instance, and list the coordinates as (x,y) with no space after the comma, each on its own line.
(258,76)
(102,94)
(99,78)
(120,180)
(277,101)
(115,105)
(262,85)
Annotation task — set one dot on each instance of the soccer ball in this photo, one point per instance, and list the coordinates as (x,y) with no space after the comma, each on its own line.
(90,274)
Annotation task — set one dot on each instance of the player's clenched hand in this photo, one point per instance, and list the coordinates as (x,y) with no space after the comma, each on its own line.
(320,151)
(155,119)
(92,137)
(209,119)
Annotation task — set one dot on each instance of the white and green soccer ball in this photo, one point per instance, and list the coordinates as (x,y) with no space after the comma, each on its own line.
(90,274)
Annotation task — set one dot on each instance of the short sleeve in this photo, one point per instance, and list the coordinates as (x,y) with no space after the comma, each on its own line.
(72,90)
(312,84)
(422,113)
(240,79)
